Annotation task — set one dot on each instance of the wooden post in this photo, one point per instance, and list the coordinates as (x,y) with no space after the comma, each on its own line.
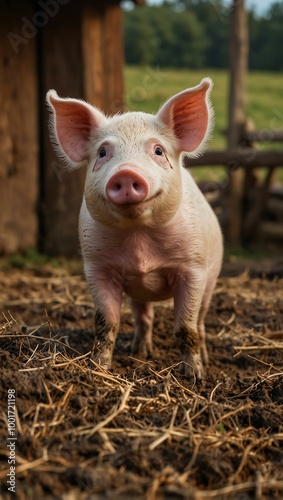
(18,130)
(247,157)
(114,59)
(238,69)
(103,55)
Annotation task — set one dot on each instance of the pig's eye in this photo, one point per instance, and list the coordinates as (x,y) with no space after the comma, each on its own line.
(102,152)
(158,151)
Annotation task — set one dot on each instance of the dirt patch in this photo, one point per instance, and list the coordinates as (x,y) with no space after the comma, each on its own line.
(142,430)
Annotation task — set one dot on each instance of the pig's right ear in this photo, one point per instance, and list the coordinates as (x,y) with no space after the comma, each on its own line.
(189,115)
(72,125)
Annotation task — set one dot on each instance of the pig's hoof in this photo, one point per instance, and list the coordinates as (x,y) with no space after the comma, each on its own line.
(192,367)
(142,348)
(102,359)
(105,366)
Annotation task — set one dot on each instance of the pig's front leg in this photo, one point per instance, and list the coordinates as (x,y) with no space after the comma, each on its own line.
(188,297)
(107,296)
(143,314)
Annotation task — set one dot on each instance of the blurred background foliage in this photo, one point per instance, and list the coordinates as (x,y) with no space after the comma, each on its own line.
(195,34)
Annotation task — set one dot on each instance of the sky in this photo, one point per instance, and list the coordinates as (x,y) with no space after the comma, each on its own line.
(260,6)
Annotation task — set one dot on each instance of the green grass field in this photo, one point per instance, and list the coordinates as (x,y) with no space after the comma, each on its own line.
(147,88)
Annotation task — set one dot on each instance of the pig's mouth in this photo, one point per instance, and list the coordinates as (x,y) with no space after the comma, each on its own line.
(135,210)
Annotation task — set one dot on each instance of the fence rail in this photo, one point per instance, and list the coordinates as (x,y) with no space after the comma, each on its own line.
(245,157)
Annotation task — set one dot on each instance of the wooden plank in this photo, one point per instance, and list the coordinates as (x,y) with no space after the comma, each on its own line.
(81,57)
(114,59)
(61,69)
(18,130)
(92,53)
(238,69)
(233,159)
(264,135)
(103,56)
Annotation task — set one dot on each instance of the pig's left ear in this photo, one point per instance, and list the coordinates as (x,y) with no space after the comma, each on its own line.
(190,115)
(72,125)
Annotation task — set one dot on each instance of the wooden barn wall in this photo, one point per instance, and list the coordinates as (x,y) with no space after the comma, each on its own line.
(78,50)
(18,131)
(83,59)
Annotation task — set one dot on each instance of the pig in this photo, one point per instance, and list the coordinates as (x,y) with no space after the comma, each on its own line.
(145,228)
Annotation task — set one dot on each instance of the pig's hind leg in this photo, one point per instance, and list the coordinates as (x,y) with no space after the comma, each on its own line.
(202,314)
(143,315)
(201,328)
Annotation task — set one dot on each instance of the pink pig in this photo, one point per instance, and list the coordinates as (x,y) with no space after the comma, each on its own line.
(145,228)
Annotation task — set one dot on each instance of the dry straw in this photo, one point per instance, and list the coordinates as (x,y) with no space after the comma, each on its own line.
(148,408)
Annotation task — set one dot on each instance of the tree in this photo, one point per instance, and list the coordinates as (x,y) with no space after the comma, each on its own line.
(213,16)
(164,36)
(195,34)
(140,38)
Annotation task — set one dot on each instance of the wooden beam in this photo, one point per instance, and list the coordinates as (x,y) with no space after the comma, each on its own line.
(236,118)
(103,55)
(238,69)
(92,53)
(264,135)
(114,59)
(233,159)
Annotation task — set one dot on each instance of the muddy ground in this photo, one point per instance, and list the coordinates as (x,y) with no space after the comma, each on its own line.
(142,430)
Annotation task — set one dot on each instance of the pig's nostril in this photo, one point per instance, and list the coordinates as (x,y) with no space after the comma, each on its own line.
(118,186)
(136,186)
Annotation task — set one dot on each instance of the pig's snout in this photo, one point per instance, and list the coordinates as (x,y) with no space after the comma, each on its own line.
(126,186)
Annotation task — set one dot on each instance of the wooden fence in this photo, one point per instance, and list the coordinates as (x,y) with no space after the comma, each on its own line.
(251,208)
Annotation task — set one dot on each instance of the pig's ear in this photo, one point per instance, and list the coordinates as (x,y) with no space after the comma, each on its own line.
(71,127)
(190,115)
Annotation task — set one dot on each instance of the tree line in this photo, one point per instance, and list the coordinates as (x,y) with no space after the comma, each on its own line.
(195,34)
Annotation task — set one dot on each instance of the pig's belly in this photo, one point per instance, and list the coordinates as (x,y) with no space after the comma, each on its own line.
(147,287)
